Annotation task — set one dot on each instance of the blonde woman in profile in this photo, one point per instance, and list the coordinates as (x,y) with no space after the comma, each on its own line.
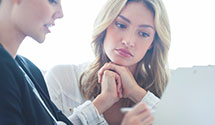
(131,40)
(23,92)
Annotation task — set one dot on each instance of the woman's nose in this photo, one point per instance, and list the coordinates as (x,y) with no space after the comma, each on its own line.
(128,43)
(59,13)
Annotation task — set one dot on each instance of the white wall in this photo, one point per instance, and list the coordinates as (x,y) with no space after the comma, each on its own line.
(192,25)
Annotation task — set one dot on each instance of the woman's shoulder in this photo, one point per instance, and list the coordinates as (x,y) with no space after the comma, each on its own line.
(67,69)
(63,80)
(65,76)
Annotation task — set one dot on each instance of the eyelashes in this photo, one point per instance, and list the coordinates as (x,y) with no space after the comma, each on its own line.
(120,25)
(53,1)
(144,34)
(124,26)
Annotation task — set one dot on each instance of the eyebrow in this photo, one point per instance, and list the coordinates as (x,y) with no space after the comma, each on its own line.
(124,18)
(143,25)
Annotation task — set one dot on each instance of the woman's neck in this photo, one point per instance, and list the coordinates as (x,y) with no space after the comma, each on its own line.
(10,45)
(10,39)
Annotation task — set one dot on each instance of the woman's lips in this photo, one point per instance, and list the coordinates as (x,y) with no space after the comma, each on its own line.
(47,26)
(124,52)
(47,29)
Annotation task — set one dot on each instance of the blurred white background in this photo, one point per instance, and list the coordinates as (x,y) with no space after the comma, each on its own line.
(192,26)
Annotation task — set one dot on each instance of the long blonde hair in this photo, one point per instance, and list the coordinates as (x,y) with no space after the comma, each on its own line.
(152,73)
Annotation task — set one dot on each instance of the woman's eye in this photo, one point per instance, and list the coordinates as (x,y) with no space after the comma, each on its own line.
(53,1)
(143,34)
(121,26)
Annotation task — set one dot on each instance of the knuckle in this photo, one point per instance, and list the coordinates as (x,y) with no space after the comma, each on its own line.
(106,72)
(107,64)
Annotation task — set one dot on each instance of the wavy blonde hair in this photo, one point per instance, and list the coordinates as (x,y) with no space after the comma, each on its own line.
(152,73)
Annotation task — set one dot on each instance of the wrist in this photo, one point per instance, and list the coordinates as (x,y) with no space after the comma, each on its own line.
(138,94)
(102,103)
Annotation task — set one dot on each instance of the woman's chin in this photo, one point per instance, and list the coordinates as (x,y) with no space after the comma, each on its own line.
(120,63)
(40,39)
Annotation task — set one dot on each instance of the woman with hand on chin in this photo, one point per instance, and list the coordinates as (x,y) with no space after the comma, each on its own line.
(131,40)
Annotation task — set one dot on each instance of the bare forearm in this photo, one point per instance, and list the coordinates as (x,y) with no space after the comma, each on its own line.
(102,103)
(138,95)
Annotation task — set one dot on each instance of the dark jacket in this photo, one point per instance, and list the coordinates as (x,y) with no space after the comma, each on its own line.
(18,103)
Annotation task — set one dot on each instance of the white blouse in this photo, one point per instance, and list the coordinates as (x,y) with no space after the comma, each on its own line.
(63,85)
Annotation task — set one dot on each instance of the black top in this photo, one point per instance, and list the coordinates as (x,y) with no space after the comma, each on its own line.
(18,103)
